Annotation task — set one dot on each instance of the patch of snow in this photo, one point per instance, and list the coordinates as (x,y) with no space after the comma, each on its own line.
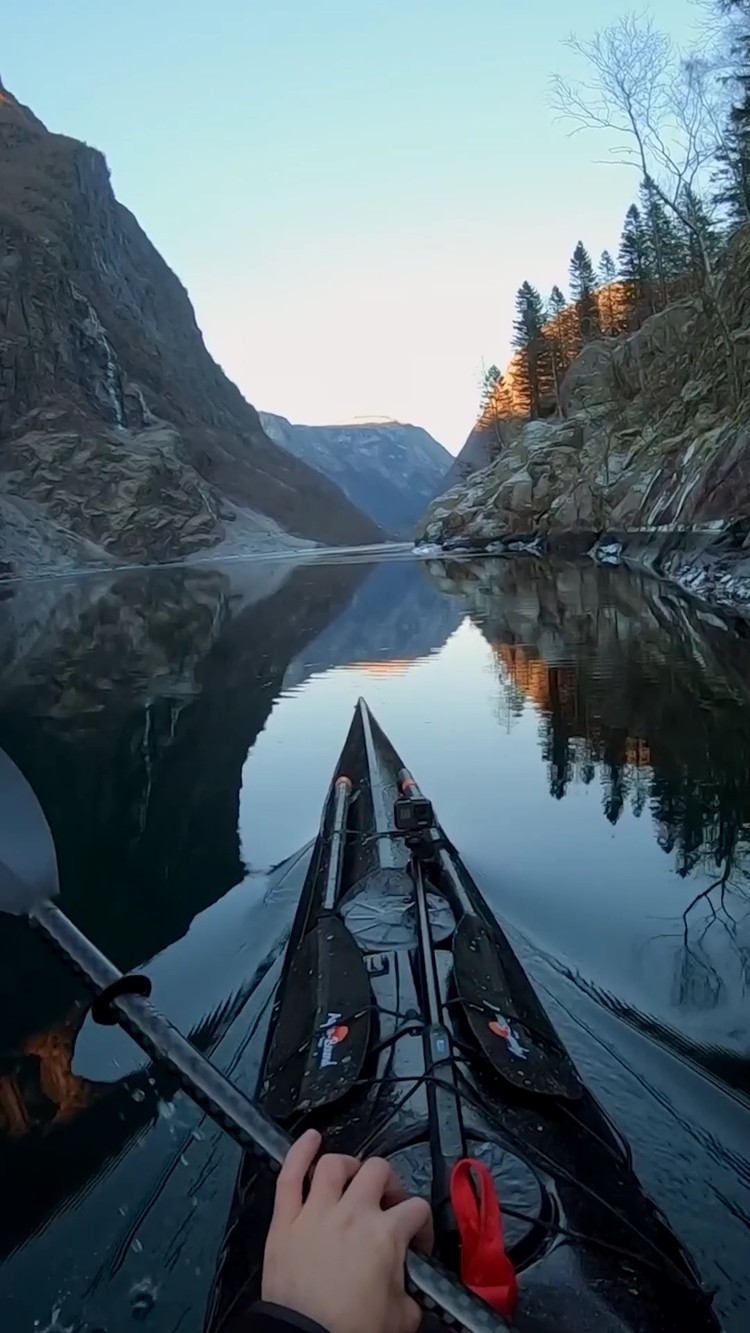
(608,554)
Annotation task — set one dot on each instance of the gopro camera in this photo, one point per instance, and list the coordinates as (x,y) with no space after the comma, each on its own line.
(412,813)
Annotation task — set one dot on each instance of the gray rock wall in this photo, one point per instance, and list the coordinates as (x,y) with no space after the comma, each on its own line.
(115,422)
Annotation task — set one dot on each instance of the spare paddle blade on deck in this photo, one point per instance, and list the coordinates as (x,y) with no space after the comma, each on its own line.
(28,864)
(323,1023)
(509,1025)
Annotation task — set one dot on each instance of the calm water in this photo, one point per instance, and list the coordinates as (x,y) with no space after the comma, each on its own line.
(585,736)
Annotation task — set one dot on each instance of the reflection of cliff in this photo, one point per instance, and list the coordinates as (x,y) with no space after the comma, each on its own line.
(132,724)
(395,617)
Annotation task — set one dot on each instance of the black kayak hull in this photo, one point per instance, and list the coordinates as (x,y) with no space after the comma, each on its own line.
(426,1054)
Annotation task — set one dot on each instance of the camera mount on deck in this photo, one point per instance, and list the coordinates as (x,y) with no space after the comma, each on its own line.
(412,814)
(414,819)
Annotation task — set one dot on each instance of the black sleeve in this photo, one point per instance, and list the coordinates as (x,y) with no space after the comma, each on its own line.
(265,1317)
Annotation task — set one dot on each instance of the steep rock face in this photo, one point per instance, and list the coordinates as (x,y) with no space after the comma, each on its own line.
(389,469)
(651,438)
(483,444)
(98,340)
(536,483)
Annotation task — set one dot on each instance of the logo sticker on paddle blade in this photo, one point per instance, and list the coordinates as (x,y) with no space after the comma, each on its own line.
(501,1028)
(334,1032)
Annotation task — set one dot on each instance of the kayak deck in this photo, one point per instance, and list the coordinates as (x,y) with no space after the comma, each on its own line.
(404,1026)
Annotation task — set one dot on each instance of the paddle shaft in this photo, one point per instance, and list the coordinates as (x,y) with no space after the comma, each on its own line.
(432,1286)
(225,1104)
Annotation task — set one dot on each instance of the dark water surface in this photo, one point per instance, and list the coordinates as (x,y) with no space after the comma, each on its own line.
(585,736)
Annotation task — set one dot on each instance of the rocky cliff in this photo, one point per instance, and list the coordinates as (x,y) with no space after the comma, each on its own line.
(484,442)
(120,437)
(389,469)
(648,458)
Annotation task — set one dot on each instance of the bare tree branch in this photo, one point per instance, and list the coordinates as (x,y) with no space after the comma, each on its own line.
(666,111)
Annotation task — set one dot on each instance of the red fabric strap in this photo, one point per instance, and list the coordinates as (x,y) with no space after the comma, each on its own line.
(485,1267)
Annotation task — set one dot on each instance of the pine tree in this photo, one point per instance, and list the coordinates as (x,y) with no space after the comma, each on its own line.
(607,270)
(556,303)
(734,154)
(607,277)
(582,288)
(701,240)
(490,379)
(503,402)
(635,266)
(529,341)
(494,405)
(668,260)
(733,176)
(555,335)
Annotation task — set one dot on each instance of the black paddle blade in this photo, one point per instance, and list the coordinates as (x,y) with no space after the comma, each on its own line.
(322,1024)
(28,864)
(505,1017)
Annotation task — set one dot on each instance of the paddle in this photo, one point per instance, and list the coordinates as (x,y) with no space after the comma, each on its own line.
(322,1020)
(28,884)
(521,1047)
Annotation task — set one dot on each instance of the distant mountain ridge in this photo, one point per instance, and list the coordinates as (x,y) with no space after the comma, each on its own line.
(389,469)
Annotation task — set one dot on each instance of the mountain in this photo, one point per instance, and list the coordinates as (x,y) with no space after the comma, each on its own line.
(121,439)
(387,468)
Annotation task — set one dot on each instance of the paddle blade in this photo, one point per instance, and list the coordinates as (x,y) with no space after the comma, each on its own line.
(505,1017)
(322,1024)
(28,864)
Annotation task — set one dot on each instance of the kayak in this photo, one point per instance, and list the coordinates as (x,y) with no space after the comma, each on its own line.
(404,1026)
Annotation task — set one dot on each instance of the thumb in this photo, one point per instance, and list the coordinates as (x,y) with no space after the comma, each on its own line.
(411,1221)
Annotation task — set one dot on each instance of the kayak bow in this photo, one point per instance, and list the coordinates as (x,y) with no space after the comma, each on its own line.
(404,1025)
(28,884)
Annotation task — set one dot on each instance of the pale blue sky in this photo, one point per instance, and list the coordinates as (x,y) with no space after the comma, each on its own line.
(351,190)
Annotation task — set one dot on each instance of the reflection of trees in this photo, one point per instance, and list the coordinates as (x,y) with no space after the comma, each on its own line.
(681,744)
(511,703)
(637,691)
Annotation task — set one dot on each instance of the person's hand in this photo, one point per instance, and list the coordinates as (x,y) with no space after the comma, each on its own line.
(338,1257)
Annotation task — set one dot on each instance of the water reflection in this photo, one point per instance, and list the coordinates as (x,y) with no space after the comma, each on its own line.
(585,737)
(645,699)
(132,703)
(132,721)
